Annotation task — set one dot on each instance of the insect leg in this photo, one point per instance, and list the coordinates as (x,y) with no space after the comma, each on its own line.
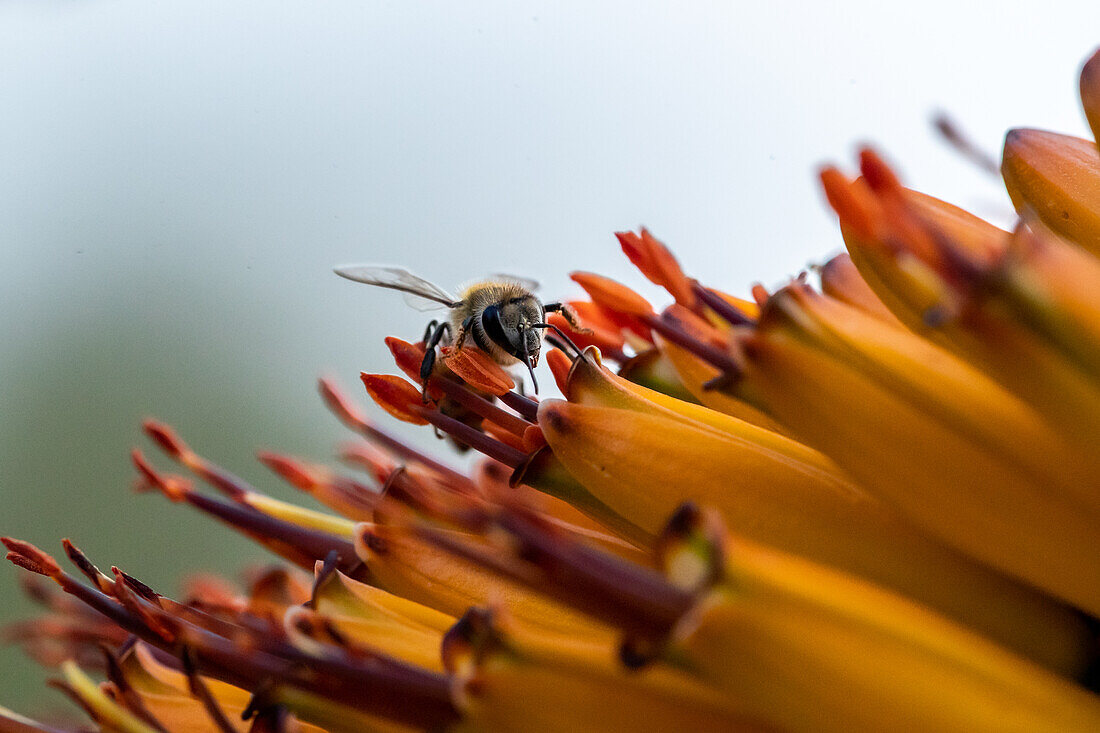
(568,314)
(432,325)
(431,341)
(463,332)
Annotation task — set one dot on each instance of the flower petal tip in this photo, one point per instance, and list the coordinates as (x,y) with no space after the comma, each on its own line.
(611,294)
(29,557)
(396,396)
(478,369)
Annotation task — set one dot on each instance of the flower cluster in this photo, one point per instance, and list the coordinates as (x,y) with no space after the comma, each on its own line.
(869,505)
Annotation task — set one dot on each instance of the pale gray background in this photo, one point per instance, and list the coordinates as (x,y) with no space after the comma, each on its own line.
(177,180)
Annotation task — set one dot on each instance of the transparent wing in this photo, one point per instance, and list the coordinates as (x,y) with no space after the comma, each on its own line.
(419,293)
(526,282)
(420,303)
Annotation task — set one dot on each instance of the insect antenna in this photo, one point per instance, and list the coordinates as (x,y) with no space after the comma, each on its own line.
(576,349)
(527,357)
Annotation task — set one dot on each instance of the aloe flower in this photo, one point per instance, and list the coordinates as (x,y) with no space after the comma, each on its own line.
(866,503)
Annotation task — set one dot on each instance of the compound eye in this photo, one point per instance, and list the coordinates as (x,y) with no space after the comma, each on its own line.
(494,328)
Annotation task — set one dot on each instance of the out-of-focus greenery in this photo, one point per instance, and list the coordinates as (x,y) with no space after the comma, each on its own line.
(72,405)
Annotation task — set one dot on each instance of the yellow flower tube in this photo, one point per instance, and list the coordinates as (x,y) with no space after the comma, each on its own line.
(166,694)
(840,279)
(695,373)
(416,570)
(1022,307)
(644,465)
(808,649)
(1058,178)
(949,448)
(590,383)
(1090,92)
(512,680)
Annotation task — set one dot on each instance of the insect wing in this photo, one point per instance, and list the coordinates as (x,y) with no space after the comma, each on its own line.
(525,282)
(419,293)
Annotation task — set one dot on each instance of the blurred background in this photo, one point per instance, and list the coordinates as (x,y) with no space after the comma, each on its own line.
(178,179)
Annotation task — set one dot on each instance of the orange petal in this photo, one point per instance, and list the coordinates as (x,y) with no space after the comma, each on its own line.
(408,356)
(165,437)
(593,316)
(968,234)
(609,342)
(533,439)
(611,294)
(906,245)
(879,175)
(29,557)
(1058,178)
(926,224)
(609,324)
(898,218)
(478,369)
(1090,92)
(853,203)
(748,307)
(627,324)
(344,495)
(560,364)
(395,396)
(699,328)
(841,280)
(505,436)
(376,461)
(657,263)
(212,590)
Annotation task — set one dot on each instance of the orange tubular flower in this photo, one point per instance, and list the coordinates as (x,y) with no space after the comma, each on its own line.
(1058,178)
(840,279)
(928,418)
(478,370)
(657,263)
(603,332)
(869,506)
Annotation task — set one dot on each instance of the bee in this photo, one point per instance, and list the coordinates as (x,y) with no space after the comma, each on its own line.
(501,315)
